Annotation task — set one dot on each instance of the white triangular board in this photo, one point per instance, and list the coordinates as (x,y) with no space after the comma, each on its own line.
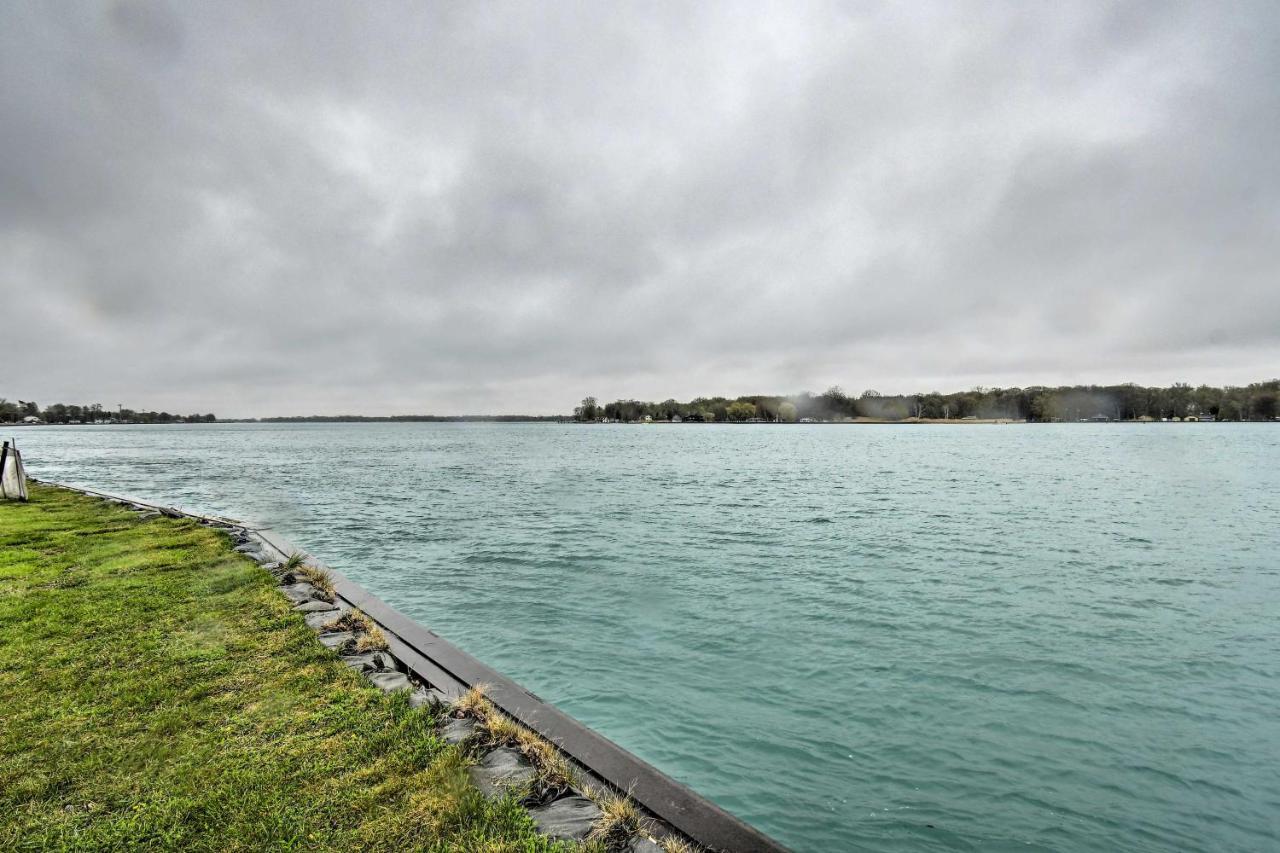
(13,480)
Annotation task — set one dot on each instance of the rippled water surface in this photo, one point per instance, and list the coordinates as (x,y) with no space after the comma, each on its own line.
(857,638)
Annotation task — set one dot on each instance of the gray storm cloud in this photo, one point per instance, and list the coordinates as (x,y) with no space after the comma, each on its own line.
(303,207)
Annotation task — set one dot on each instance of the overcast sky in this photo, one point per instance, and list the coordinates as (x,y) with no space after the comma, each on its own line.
(282,208)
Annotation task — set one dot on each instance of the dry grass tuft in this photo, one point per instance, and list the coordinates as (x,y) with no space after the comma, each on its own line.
(294,561)
(317,577)
(353,620)
(620,817)
(499,729)
(473,702)
(671,844)
(554,769)
(372,640)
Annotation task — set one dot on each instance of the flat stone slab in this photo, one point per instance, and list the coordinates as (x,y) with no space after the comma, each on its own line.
(317,619)
(300,593)
(643,845)
(336,640)
(389,680)
(569,819)
(456,731)
(369,661)
(315,606)
(501,769)
(428,698)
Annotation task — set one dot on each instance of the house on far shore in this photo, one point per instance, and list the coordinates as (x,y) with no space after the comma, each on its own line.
(32,419)
(1097,419)
(675,419)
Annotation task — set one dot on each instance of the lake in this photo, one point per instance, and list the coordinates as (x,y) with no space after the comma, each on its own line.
(1039,637)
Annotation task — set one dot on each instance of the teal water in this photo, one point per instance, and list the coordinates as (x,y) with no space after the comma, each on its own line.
(856,638)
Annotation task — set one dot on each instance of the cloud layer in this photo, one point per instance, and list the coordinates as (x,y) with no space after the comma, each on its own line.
(304,207)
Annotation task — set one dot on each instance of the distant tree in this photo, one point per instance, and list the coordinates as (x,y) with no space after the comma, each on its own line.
(787,412)
(741,411)
(1263,405)
(667,409)
(1179,400)
(931,405)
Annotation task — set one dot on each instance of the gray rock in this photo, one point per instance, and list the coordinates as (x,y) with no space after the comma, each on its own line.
(337,639)
(150,514)
(428,697)
(502,769)
(371,662)
(300,592)
(456,731)
(569,819)
(389,680)
(361,661)
(315,606)
(317,619)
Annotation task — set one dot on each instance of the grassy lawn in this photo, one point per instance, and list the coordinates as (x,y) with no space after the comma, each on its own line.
(157,692)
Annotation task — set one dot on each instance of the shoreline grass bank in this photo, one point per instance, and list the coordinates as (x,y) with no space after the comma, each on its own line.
(160,693)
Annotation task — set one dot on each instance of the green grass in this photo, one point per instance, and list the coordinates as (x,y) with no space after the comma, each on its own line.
(156,692)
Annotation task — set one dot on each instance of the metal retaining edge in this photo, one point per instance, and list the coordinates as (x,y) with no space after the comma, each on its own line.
(445,666)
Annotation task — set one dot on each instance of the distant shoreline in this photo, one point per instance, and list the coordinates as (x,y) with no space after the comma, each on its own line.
(561,419)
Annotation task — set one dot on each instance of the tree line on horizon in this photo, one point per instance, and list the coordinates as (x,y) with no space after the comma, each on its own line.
(65,413)
(1255,402)
(346,419)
